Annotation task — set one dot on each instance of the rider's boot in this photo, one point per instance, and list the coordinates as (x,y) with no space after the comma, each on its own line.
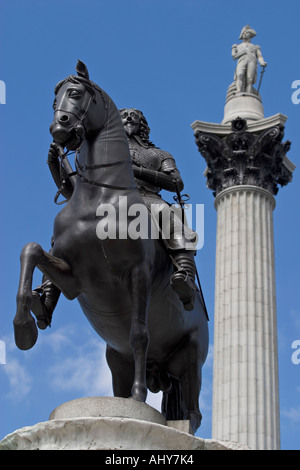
(183,280)
(44,302)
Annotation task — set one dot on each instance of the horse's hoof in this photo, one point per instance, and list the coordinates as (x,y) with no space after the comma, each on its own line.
(195,419)
(26,334)
(139,393)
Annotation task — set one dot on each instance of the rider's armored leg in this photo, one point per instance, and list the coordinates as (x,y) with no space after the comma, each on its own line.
(45,298)
(183,280)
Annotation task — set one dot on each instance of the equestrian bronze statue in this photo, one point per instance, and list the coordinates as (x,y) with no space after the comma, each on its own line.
(122,282)
(154,169)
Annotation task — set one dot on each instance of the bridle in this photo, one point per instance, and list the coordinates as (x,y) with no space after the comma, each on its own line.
(79,119)
(81,168)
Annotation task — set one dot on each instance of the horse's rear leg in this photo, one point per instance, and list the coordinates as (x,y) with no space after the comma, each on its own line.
(139,288)
(57,270)
(186,365)
(122,371)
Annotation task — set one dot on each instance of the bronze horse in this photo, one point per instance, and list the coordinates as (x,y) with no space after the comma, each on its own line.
(122,284)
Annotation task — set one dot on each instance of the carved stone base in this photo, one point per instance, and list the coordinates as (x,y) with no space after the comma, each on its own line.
(147,431)
(112,407)
(244,105)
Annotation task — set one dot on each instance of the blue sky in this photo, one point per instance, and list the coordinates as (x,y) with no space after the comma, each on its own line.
(171,59)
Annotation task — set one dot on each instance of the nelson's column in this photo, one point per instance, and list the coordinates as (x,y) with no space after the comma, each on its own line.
(246,162)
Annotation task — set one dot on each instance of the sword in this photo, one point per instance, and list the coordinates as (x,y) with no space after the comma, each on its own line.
(181,200)
(261,76)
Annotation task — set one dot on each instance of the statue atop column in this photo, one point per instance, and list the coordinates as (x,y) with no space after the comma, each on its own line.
(242,99)
(247,56)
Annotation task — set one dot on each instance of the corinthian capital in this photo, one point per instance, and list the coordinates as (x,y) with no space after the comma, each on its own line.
(246,158)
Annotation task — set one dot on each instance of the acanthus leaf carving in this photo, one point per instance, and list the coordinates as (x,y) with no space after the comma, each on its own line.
(243,157)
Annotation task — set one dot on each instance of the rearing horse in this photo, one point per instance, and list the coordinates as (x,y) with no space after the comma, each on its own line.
(121,283)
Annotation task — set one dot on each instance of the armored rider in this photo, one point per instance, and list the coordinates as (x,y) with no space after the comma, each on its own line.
(154,170)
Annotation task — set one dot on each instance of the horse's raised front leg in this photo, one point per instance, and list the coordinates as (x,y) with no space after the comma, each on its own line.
(140,288)
(57,270)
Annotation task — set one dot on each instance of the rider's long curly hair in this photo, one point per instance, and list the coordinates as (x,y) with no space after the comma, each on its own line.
(144,127)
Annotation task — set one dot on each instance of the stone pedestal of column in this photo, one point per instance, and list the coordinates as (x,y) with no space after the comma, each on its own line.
(244,105)
(109,423)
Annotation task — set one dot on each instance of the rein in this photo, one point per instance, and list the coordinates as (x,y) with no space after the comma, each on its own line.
(84,167)
(63,157)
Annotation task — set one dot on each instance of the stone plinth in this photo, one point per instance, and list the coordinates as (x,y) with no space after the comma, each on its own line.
(244,105)
(113,407)
(146,430)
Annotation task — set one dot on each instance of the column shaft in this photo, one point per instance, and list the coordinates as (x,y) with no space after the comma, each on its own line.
(245,383)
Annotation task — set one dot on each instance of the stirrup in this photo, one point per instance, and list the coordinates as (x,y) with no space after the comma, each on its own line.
(183,286)
(40,311)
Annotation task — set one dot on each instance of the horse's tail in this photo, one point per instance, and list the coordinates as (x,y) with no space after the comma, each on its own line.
(172,406)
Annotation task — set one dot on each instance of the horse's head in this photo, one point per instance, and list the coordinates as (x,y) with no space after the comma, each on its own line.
(79,109)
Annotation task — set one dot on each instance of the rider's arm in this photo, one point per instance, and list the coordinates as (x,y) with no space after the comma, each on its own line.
(167,178)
